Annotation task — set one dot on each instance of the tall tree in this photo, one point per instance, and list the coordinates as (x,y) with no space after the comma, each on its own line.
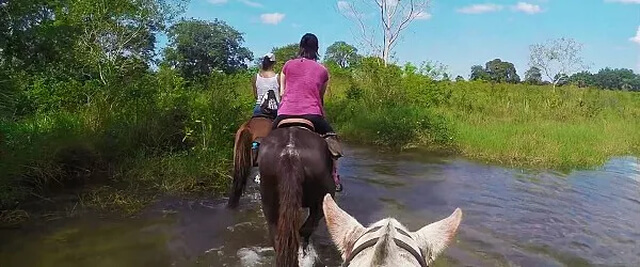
(200,47)
(556,58)
(533,76)
(284,53)
(501,71)
(582,79)
(341,53)
(394,16)
(615,79)
(478,74)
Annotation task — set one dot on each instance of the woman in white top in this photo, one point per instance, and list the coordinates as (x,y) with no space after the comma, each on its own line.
(266,79)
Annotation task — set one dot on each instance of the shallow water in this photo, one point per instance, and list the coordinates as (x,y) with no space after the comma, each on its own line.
(511,217)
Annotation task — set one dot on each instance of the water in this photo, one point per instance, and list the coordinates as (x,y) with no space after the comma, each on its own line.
(510,218)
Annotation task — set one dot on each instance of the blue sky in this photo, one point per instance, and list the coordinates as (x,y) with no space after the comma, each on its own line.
(456,33)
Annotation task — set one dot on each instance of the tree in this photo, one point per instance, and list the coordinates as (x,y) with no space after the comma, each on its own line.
(533,76)
(501,71)
(200,47)
(616,79)
(459,78)
(478,74)
(582,79)
(79,37)
(394,16)
(284,53)
(556,58)
(341,53)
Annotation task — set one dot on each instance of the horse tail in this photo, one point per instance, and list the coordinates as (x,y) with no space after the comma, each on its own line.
(290,198)
(241,164)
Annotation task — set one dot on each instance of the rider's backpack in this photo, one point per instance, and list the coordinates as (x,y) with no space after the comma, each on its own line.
(269,104)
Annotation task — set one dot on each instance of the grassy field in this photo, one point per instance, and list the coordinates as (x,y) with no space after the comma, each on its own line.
(510,124)
(536,126)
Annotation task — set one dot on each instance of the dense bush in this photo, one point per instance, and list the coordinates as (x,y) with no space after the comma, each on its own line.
(115,134)
(387,105)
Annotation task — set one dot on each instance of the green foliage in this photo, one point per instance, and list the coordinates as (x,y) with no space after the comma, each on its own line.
(198,48)
(342,54)
(533,76)
(502,71)
(608,78)
(284,54)
(387,105)
(542,127)
(478,74)
(495,71)
(157,121)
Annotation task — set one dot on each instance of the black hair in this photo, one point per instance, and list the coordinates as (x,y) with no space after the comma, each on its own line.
(309,47)
(267,63)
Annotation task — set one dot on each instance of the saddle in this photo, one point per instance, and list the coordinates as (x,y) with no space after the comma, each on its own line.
(262,115)
(331,138)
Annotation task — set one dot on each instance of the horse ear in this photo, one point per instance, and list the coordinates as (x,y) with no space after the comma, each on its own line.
(343,228)
(436,237)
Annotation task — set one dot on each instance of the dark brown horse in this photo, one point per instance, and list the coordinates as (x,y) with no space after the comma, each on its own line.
(252,130)
(295,169)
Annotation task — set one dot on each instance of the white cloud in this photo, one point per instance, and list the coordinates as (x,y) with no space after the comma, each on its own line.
(272,18)
(251,3)
(480,8)
(623,1)
(527,8)
(217,2)
(636,39)
(423,15)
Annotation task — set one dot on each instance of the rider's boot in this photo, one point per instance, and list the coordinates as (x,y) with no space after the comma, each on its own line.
(336,151)
(336,176)
(254,153)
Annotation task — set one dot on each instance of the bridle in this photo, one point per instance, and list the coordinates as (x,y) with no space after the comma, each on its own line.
(371,237)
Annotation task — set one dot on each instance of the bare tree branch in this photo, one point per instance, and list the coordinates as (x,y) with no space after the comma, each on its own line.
(394,16)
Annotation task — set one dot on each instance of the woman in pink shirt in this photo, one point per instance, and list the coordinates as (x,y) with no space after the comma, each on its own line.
(304,82)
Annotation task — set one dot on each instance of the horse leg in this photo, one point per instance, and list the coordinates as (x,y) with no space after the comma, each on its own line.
(315,215)
(270,208)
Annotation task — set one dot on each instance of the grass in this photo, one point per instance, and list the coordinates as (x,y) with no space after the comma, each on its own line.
(515,125)
(119,153)
(542,127)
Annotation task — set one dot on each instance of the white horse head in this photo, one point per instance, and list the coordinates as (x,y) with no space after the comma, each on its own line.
(387,242)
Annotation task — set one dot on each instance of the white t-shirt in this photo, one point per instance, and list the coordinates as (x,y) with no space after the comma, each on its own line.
(263,85)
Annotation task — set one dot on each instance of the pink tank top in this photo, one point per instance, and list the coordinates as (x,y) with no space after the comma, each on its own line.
(303,87)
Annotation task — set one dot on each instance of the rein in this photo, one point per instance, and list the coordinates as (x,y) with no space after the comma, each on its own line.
(369,242)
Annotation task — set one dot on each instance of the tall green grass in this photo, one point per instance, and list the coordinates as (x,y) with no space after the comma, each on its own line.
(537,126)
(518,125)
(162,134)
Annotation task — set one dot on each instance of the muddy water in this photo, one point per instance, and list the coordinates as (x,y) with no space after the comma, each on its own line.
(511,218)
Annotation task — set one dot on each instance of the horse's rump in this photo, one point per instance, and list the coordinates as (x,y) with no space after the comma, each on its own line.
(243,160)
(295,169)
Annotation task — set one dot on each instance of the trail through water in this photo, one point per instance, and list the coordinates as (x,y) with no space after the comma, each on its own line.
(511,217)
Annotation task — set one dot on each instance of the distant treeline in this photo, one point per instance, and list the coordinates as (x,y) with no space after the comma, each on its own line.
(607,78)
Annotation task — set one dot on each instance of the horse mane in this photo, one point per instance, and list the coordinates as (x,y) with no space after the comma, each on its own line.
(382,247)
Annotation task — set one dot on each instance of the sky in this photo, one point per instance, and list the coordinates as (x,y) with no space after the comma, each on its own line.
(456,33)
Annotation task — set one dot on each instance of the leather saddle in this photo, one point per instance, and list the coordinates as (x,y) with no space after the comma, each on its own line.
(332,139)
